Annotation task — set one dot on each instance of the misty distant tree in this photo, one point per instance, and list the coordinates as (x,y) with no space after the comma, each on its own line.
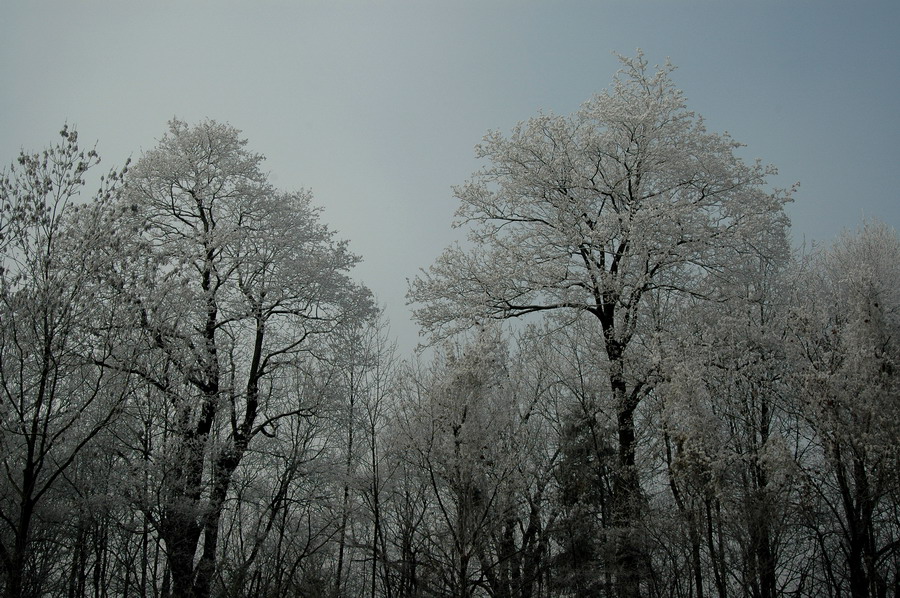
(475,472)
(846,326)
(579,450)
(459,437)
(284,511)
(731,443)
(629,197)
(229,283)
(366,378)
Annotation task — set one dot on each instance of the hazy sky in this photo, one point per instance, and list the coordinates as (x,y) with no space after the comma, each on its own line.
(376,105)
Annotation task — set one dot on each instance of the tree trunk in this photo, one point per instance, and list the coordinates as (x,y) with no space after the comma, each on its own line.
(16,576)
(223,470)
(856,534)
(180,528)
(345,505)
(717,557)
(626,497)
(626,501)
(181,546)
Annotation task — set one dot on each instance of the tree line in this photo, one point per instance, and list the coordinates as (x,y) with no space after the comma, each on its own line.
(636,388)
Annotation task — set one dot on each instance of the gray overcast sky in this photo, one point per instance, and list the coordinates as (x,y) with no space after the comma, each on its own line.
(376,105)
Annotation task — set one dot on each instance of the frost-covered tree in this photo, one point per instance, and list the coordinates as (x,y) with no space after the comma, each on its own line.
(458,435)
(54,401)
(467,436)
(284,510)
(575,402)
(847,326)
(229,283)
(369,370)
(731,441)
(592,214)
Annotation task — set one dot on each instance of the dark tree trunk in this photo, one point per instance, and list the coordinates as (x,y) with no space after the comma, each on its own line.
(16,582)
(626,496)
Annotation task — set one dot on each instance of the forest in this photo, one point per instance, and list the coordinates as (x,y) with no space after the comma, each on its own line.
(634,384)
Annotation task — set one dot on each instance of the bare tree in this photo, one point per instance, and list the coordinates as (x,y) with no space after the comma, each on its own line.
(53,400)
